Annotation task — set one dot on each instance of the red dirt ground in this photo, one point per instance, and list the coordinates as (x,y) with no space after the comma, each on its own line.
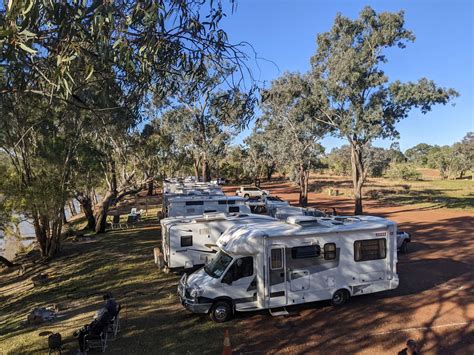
(434,303)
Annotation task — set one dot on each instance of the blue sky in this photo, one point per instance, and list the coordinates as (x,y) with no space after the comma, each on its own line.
(284,32)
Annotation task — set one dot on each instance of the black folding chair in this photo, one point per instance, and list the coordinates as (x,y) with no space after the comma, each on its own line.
(114,325)
(99,341)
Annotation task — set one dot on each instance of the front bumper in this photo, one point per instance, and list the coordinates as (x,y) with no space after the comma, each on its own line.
(191,304)
(194,307)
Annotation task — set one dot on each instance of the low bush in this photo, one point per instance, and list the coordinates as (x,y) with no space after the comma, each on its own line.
(403,171)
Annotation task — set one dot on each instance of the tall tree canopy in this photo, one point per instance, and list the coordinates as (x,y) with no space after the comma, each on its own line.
(290,118)
(362,103)
(75,76)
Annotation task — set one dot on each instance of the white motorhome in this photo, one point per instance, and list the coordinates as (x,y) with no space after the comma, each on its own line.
(305,259)
(191,241)
(192,205)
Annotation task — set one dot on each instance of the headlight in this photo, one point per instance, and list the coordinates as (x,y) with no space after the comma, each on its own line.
(196,292)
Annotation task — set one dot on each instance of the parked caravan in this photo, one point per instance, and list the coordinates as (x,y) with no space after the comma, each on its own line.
(200,204)
(305,259)
(191,241)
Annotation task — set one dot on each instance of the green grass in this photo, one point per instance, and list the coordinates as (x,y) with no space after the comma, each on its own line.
(153,321)
(453,194)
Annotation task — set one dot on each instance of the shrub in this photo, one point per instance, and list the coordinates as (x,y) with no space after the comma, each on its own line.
(403,171)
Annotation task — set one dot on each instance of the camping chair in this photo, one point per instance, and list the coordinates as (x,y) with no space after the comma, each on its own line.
(132,220)
(116,224)
(97,341)
(114,325)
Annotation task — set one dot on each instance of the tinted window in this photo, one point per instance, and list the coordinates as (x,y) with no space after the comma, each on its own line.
(370,249)
(277,259)
(186,240)
(330,251)
(194,203)
(234,209)
(242,267)
(222,202)
(307,251)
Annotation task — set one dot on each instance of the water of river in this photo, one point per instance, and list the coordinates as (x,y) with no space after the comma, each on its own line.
(9,246)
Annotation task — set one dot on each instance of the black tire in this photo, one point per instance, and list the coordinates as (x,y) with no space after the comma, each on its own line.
(221,312)
(246,196)
(404,247)
(340,297)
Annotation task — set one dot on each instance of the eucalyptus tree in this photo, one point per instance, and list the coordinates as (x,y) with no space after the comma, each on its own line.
(290,113)
(363,104)
(80,71)
(262,158)
(40,140)
(217,109)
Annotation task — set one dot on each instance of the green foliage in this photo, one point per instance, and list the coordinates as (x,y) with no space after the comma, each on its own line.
(418,154)
(453,161)
(148,44)
(290,123)
(377,159)
(403,171)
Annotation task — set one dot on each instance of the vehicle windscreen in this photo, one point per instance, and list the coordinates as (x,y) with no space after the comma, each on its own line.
(218,265)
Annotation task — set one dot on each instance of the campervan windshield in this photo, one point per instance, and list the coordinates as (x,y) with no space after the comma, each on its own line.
(218,264)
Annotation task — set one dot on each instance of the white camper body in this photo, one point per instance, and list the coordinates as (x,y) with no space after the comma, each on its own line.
(305,259)
(200,204)
(191,241)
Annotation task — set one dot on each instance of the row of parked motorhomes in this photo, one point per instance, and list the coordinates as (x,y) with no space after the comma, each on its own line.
(290,255)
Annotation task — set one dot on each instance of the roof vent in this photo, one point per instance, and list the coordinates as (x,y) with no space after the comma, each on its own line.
(302,220)
(211,216)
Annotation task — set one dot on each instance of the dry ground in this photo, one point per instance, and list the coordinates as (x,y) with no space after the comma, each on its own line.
(433,304)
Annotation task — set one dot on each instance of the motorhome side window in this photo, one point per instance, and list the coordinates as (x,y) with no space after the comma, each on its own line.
(329,251)
(194,203)
(242,267)
(277,259)
(307,251)
(370,249)
(233,209)
(186,240)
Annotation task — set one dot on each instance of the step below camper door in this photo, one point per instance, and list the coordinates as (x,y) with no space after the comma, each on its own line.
(276,277)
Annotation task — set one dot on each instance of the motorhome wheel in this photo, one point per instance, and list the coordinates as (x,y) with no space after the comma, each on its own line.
(221,312)
(340,297)
(404,247)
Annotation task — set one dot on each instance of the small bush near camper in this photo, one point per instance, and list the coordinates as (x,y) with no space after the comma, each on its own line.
(403,171)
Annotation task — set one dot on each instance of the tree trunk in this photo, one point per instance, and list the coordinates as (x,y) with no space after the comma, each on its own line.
(86,205)
(303,180)
(270,170)
(196,168)
(72,208)
(101,216)
(358,176)
(151,188)
(204,168)
(63,216)
(48,233)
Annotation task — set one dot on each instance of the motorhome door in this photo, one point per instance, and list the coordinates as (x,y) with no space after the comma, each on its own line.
(276,277)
